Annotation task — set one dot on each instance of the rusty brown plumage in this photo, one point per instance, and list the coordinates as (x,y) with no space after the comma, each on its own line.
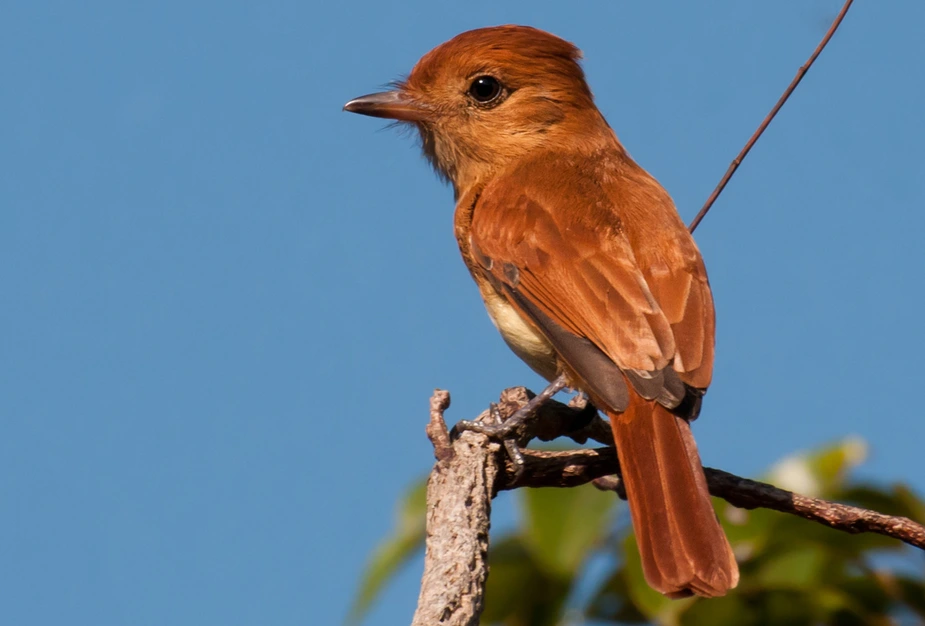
(584,267)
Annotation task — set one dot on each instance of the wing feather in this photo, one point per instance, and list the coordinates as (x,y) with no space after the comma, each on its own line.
(646,307)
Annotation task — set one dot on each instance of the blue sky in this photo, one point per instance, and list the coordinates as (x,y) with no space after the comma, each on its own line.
(225,302)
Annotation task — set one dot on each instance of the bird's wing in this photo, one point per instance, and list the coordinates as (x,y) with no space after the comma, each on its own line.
(683,292)
(573,272)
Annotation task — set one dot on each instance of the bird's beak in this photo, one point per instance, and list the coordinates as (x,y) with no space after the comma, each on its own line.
(394,105)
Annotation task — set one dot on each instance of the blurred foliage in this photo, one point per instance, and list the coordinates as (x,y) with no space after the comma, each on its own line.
(573,560)
(405,542)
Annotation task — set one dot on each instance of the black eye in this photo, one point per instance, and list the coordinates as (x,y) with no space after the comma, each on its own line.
(485,89)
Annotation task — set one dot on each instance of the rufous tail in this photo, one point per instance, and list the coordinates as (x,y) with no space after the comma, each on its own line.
(683,548)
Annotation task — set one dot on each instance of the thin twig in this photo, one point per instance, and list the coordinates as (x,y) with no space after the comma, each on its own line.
(751,494)
(767,120)
(548,468)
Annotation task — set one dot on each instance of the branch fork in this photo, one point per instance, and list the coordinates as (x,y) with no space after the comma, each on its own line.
(471,469)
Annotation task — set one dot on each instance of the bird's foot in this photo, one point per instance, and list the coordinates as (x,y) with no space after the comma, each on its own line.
(503,429)
(511,430)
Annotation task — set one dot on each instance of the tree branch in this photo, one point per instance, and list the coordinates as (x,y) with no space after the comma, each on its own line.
(767,120)
(459,493)
(472,469)
(576,467)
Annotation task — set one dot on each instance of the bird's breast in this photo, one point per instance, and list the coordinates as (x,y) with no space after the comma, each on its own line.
(526,342)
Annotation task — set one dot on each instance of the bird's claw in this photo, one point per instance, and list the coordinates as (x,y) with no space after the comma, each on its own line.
(500,430)
(511,431)
(510,445)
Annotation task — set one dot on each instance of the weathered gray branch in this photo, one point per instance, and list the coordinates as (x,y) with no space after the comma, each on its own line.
(471,469)
(459,493)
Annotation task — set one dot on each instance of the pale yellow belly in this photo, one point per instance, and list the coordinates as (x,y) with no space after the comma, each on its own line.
(521,337)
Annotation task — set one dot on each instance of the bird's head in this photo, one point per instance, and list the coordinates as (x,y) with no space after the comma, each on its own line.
(490,96)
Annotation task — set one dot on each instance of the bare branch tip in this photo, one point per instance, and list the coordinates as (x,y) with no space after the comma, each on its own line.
(436,428)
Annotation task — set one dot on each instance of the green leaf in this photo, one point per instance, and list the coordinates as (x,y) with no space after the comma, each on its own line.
(406,540)
(563,525)
(800,568)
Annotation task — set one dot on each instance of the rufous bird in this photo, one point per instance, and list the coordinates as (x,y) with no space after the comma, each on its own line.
(585,268)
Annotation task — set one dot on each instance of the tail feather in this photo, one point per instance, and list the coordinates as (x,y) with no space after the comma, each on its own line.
(682,545)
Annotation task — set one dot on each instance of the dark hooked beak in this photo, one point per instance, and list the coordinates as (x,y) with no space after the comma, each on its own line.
(393,105)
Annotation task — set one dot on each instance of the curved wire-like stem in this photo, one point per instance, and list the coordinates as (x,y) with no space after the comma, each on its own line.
(767,120)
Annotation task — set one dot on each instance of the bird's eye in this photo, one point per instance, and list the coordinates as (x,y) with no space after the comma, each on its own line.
(485,89)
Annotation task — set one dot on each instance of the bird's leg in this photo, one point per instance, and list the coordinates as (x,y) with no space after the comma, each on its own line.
(510,445)
(585,412)
(507,430)
(519,418)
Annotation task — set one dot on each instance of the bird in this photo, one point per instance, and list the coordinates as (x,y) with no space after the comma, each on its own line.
(584,266)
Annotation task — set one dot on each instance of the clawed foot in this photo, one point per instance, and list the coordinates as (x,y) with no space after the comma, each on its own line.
(499,428)
(511,430)
(502,430)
